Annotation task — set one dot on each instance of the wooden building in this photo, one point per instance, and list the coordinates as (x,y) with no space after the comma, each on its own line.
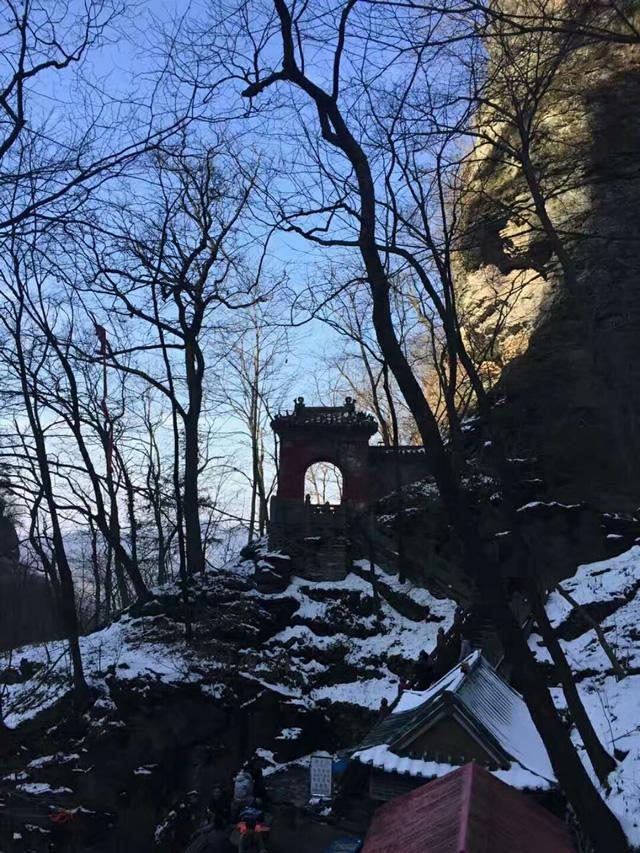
(470,714)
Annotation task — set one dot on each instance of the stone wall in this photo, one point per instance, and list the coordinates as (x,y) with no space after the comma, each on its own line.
(566,364)
(390,469)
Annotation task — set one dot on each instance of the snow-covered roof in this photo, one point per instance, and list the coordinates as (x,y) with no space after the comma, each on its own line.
(485,705)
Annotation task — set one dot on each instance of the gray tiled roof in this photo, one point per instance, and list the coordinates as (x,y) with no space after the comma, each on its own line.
(495,712)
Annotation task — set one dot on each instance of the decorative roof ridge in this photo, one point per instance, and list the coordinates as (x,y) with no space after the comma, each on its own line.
(343,416)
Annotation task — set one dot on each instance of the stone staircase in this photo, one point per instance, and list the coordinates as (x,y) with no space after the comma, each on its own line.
(323,558)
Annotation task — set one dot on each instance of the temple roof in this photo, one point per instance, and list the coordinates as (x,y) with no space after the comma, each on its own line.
(466,811)
(330,416)
(491,711)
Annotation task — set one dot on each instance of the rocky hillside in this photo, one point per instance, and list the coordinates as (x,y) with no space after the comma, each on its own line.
(609,592)
(565,355)
(282,673)
(280,668)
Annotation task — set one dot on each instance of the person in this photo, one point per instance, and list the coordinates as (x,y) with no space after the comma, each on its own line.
(259,789)
(188,816)
(440,639)
(252,811)
(251,840)
(424,671)
(220,808)
(242,791)
(384,709)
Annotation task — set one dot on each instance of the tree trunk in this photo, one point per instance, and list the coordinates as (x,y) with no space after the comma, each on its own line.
(70,620)
(66,598)
(97,581)
(114,528)
(191,496)
(191,503)
(372,562)
(108,583)
(162,550)
(602,762)
(602,826)
(182,559)
(615,663)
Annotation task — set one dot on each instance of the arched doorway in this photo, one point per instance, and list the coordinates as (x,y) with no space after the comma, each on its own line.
(324,484)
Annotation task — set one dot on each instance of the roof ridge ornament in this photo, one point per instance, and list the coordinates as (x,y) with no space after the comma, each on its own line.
(336,416)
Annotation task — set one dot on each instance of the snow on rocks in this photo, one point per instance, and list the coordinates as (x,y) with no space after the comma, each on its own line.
(310,660)
(610,586)
(368,692)
(364,649)
(145,770)
(120,647)
(292,642)
(610,590)
(40,788)
(292,733)
(51,760)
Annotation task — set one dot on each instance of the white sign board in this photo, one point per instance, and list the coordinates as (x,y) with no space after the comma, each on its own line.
(320,776)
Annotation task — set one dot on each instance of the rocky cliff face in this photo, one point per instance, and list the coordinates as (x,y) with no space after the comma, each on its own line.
(565,360)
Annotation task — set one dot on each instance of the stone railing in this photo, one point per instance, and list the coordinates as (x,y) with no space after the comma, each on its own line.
(321,518)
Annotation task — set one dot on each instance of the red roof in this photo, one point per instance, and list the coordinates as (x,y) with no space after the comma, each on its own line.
(466,811)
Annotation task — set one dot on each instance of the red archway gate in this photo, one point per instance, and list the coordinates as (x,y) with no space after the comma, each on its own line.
(338,435)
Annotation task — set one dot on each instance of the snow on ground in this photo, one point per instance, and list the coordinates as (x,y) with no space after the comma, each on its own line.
(613,706)
(122,646)
(368,692)
(605,580)
(402,636)
(330,653)
(395,635)
(289,663)
(440,607)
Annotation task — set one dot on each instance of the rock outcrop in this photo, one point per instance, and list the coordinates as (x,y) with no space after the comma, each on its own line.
(564,355)
(274,674)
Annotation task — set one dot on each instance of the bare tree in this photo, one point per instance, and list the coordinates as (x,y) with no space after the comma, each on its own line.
(254,389)
(171,267)
(348,213)
(53,160)
(24,358)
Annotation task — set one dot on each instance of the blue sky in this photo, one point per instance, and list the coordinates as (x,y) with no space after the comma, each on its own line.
(125,67)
